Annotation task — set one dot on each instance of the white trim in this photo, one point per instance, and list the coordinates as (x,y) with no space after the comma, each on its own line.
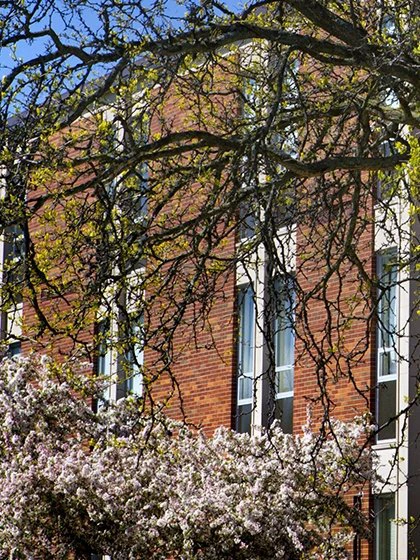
(393,229)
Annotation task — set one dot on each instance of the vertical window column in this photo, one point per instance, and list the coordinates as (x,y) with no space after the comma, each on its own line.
(386,347)
(387,182)
(247,221)
(135,358)
(246,354)
(104,360)
(385,527)
(13,261)
(284,349)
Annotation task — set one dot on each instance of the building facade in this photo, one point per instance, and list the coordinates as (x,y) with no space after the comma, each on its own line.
(287,302)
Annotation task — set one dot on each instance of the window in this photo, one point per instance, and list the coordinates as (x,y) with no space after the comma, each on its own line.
(252,101)
(247,221)
(132,200)
(14,252)
(14,349)
(133,189)
(133,366)
(246,346)
(104,360)
(385,527)
(387,181)
(283,210)
(389,26)
(386,351)
(285,138)
(283,195)
(129,377)
(133,186)
(284,344)
(248,208)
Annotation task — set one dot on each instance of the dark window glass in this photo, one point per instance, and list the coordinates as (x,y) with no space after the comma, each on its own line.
(386,345)
(243,419)
(385,528)
(386,408)
(247,222)
(284,413)
(14,349)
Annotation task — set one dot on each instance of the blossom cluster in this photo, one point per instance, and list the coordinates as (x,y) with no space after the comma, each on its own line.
(132,486)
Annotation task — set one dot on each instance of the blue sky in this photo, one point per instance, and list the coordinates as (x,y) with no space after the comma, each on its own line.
(26,51)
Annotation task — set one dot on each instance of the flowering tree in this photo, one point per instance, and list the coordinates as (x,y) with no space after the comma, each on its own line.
(131,486)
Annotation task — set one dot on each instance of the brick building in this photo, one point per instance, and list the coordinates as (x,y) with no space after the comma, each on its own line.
(313,307)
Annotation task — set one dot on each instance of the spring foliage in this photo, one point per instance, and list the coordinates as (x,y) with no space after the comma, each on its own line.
(131,486)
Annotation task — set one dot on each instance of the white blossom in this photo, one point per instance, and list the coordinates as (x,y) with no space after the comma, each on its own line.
(136,487)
